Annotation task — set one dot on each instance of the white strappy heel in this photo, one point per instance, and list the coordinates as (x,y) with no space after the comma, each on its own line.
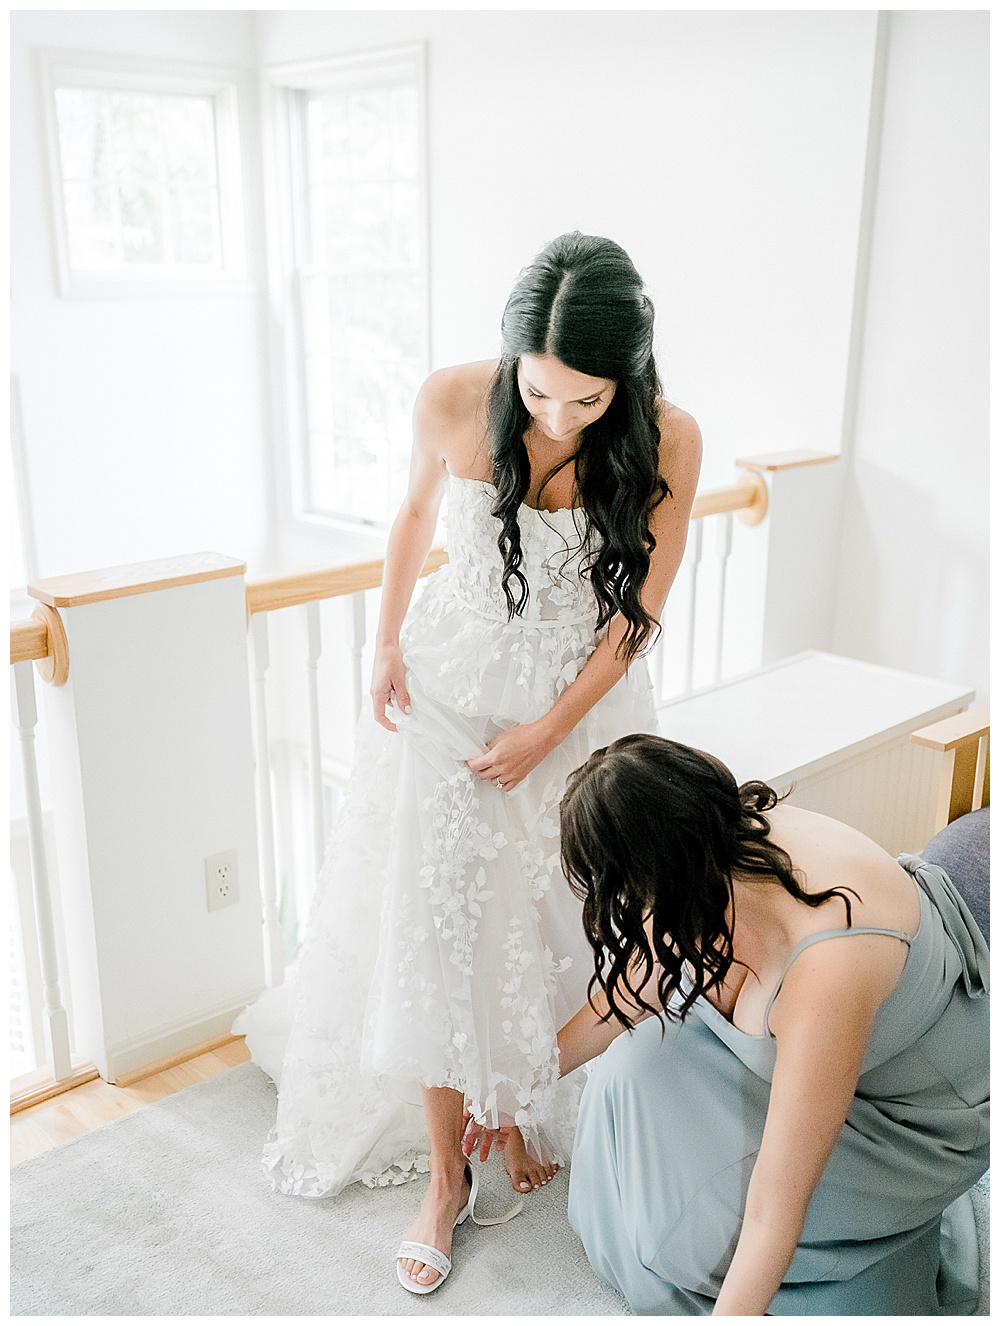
(434,1257)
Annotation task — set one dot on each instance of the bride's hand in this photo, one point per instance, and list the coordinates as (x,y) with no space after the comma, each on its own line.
(514,753)
(389,680)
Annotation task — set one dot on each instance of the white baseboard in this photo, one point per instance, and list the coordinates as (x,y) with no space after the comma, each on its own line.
(138,1051)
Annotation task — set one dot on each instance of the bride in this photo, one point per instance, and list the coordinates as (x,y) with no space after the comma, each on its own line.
(445,948)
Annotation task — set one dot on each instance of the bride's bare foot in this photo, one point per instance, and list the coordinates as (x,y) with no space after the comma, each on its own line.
(526,1172)
(435,1222)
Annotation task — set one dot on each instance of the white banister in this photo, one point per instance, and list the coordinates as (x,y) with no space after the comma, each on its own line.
(274,957)
(694,561)
(314,649)
(25,715)
(726,541)
(357,626)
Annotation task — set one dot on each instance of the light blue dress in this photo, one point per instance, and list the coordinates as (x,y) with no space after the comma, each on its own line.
(670,1128)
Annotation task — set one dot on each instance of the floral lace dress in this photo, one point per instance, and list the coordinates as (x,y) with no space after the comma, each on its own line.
(445,947)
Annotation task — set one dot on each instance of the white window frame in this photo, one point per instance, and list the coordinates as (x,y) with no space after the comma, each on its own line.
(286,207)
(75,69)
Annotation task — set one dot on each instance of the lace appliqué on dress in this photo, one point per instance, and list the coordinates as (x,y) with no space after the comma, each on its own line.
(444,946)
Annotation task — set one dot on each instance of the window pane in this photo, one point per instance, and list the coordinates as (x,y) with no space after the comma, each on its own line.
(135,135)
(344,478)
(316,293)
(403,331)
(371,134)
(154,154)
(371,221)
(90,222)
(406,225)
(142,222)
(189,141)
(363,315)
(366,314)
(191,216)
(83,133)
(330,133)
(319,396)
(332,225)
(342,339)
(405,141)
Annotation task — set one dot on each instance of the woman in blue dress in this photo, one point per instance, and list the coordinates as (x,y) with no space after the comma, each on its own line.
(790,1117)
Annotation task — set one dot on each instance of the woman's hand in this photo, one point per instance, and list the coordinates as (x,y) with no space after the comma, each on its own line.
(389,681)
(478,1135)
(514,753)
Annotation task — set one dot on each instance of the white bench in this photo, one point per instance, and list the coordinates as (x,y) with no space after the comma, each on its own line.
(836,731)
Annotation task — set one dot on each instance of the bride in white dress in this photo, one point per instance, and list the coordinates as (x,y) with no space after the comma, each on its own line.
(445,949)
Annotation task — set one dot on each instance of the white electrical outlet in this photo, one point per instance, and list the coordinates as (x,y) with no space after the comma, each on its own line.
(222,883)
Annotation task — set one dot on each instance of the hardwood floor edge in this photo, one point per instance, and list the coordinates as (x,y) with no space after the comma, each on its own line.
(34,1088)
(173,1060)
(45,1089)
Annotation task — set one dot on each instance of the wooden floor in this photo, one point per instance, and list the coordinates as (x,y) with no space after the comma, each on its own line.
(46,1125)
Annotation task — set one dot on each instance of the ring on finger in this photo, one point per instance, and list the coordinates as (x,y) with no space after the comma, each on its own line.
(500,784)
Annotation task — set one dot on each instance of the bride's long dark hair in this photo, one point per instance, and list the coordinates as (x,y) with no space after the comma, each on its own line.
(652,832)
(581,301)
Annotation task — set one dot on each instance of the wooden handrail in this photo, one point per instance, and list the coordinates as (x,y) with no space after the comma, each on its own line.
(748,496)
(42,639)
(963,741)
(329,582)
(958,730)
(28,640)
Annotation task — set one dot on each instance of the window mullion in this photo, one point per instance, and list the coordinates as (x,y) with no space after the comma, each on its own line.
(165,208)
(113,172)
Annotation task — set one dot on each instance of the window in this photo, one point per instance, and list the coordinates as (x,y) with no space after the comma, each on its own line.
(358,251)
(146,175)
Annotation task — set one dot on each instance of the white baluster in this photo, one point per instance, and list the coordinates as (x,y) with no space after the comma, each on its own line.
(358,632)
(315,648)
(982,763)
(25,717)
(726,541)
(274,958)
(695,544)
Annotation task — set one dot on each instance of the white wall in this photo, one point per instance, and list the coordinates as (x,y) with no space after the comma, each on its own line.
(914,572)
(725,151)
(144,418)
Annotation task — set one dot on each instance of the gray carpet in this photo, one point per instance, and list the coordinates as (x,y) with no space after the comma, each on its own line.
(166,1212)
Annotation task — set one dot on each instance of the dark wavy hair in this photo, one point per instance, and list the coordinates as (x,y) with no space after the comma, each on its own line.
(655,830)
(581,301)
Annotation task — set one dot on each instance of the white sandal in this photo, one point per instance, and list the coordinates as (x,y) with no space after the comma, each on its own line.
(434,1257)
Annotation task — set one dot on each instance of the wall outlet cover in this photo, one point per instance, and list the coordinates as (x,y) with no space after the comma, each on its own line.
(222,884)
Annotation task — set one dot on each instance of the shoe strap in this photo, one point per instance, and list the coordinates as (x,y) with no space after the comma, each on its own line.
(423,1252)
(516,1209)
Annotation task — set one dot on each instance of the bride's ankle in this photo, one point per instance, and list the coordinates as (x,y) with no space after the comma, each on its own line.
(449,1176)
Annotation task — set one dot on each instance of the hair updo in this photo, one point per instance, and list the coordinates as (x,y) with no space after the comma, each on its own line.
(581,301)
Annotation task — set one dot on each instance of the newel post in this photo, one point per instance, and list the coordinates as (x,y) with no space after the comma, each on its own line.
(152,773)
(784,587)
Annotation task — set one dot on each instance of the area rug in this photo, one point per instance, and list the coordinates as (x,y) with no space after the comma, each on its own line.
(166,1212)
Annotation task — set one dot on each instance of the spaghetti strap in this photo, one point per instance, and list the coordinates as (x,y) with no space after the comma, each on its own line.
(820,935)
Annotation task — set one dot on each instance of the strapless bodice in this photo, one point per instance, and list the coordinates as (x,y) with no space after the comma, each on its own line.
(553,546)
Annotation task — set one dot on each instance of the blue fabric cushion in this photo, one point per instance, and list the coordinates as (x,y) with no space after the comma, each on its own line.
(962,850)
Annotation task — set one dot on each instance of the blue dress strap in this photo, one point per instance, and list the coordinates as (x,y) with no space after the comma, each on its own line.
(842,932)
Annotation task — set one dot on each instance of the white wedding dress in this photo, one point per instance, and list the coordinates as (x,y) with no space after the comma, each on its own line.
(445,946)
